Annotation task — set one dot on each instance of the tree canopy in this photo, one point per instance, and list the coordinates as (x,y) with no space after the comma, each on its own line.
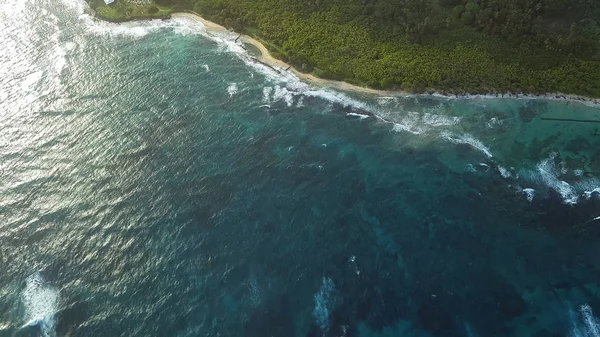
(535,46)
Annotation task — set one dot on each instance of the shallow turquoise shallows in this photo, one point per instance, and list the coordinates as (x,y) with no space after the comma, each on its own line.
(154,181)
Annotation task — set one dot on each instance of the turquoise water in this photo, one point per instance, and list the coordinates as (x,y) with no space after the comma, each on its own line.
(155,182)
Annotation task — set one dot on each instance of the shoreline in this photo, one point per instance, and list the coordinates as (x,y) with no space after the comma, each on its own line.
(267,59)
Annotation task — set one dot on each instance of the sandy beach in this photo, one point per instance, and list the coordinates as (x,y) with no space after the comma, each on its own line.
(266,58)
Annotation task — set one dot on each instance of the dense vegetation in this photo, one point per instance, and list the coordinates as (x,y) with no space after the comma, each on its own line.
(534,46)
(130,10)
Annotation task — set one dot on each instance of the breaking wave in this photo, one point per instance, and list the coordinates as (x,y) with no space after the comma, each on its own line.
(550,175)
(584,323)
(41,304)
(468,140)
(286,88)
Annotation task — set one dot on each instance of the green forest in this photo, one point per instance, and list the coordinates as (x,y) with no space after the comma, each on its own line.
(456,46)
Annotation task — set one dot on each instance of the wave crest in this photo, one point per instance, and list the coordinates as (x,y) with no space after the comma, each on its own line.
(41,304)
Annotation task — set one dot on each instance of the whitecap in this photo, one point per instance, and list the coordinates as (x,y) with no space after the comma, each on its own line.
(41,304)
(354,114)
(588,194)
(529,194)
(589,187)
(468,140)
(440,120)
(584,323)
(548,174)
(232,89)
(504,172)
(494,122)
(398,127)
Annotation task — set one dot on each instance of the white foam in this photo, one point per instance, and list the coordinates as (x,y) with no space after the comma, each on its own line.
(282,93)
(41,304)
(385,100)
(267,94)
(12,7)
(323,301)
(232,89)
(227,42)
(60,60)
(548,174)
(295,89)
(529,194)
(398,127)
(133,29)
(493,122)
(32,81)
(588,194)
(588,187)
(584,323)
(276,94)
(440,120)
(361,116)
(420,123)
(468,140)
(504,172)
(206,67)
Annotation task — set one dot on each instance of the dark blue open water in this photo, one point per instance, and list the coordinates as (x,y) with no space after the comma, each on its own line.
(155,182)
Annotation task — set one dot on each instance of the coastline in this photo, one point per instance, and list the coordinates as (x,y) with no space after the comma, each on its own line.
(267,59)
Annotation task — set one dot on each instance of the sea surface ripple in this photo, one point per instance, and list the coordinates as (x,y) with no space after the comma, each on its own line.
(155,181)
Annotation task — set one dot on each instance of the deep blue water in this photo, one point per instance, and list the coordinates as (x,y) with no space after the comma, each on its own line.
(155,182)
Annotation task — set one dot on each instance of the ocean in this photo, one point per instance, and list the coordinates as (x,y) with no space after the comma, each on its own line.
(155,181)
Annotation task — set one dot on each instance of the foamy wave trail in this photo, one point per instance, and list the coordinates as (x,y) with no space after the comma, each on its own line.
(40,300)
(418,123)
(324,299)
(468,140)
(584,323)
(549,174)
(398,127)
